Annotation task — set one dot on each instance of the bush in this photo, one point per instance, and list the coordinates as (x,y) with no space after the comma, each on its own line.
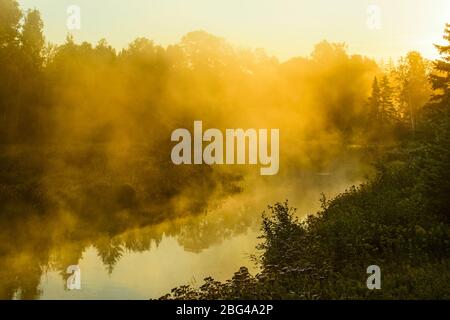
(398,220)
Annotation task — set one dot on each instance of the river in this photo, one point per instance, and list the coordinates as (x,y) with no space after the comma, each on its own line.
(146,260)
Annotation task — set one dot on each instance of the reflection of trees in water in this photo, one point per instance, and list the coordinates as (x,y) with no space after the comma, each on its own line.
(26,255)
(86,180)
(197,234)
(48,220)
(25,259)
(110,251)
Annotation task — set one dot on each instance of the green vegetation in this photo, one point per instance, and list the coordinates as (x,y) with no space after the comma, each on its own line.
(398,220)
(392,221)
(85,161)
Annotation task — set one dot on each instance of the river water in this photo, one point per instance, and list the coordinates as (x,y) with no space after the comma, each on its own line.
(147,260)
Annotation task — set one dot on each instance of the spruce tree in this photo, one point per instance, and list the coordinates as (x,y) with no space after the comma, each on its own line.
(388,112)
(436,134)
(441,78)
(375,102)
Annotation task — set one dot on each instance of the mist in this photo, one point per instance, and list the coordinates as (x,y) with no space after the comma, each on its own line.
(86,141)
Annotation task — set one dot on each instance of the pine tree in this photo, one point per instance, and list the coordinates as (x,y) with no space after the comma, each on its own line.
(387,109)
(375,102)
(441,79)
(436,127)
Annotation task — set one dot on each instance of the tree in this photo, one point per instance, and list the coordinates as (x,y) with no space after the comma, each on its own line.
(375,101)
(436,128)
(415,89)
(441,78)
(205,51)
(10,16)
(387,109)
(32,38)
(10,62)
(340,84)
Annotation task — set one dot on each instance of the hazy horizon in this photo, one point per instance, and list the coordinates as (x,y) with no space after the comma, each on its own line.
(285,29)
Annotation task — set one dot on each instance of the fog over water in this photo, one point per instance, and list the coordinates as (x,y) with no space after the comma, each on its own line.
(86,173)
(131,253)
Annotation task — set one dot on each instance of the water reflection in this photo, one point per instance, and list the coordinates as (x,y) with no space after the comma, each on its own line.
(140,239)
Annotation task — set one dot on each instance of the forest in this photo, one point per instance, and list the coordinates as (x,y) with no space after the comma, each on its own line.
(83,121)
(398,219)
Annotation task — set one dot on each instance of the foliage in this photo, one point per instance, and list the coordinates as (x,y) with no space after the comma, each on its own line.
(390,221)
(397,220)
(107,116)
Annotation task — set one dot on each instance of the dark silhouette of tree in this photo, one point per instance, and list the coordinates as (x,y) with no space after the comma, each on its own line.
(32,38)
(387,109)
(375,102)
(441,78)
(10,15)
(436,132)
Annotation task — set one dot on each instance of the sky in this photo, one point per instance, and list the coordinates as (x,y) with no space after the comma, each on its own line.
(284,28)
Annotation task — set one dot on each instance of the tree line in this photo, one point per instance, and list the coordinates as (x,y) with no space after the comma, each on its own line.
(398,220)
(88,92)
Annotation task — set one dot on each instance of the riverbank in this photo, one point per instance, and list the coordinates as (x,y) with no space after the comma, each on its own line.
(397,220)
